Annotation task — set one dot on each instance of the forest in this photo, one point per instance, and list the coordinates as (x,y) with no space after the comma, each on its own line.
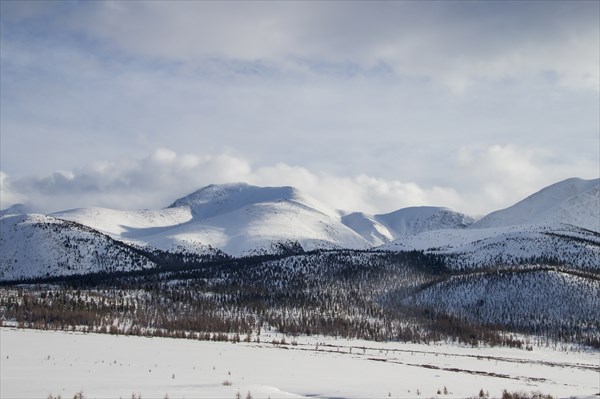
(382,296)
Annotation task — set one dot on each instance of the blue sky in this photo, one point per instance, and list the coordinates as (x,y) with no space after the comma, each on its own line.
(364,105)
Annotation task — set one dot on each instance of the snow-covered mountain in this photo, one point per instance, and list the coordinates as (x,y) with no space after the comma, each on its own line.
(42,246)
(384,228)
(16,209)
(559,223)
(556,224)
(238,219)
(511,245)
(527,299)
(369,228)
(572,201)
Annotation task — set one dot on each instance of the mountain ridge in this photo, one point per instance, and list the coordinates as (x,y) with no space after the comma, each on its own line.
(542,206)
(243,220)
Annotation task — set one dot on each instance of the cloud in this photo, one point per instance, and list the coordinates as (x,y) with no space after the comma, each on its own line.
(455,42)
(504,174)
(8,195)
(161,177)
(377,100)
(492,178)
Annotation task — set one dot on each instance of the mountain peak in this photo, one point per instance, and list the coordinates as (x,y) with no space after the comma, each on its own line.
(571,201)
(16,209)
(221,198)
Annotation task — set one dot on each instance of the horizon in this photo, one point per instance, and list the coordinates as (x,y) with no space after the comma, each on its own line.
(31,209)
(368,107)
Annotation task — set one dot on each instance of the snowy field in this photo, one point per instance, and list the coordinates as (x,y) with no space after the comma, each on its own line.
(35,364)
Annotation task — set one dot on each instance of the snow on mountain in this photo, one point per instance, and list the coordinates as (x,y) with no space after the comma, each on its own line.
(582,210)
(16,209)
(218,199)
(559,223)
(384,228)
(119,223)
(534,300)
(265,227)
(368,227)
(238,219)
(510,245)
(572,201)
(42,246)
(415,220)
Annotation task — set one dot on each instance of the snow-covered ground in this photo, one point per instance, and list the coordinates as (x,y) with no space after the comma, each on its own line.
(39,363)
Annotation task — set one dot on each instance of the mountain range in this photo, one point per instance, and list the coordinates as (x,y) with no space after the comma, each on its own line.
(560,222)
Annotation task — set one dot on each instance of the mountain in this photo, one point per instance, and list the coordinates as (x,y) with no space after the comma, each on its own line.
(16,209)
(558,224)
(467,249)
(532,268)
(384,228)
(572,201)
(42,246)
(369,228)
(238,219)
(218,199)
(533,300)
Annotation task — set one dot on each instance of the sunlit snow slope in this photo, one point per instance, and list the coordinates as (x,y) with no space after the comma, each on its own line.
(572,201)
(42,246)
(238,219)
(381,229)
(558,224)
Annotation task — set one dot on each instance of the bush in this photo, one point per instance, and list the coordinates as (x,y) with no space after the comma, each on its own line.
(523,395)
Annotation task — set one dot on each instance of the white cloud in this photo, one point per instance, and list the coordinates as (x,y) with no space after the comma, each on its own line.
(8,195)
(455,43)
(501,175)
(163,176)
(349,101)
(490,179)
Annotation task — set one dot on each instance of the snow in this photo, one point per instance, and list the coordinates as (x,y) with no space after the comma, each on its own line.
(238,219)
(572,201)
(125,223)
(384,228)
(530,228)
(16,209)
(488,299)
(369,228)
(217,199)
(414,220)
(38,246)
(481,247)
(39,363)
(241,219)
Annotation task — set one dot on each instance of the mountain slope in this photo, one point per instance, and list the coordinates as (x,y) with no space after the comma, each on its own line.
(415,220)
(384,228)
(542,302)
(238,219)
(513,245)
(16,209)
(119,223)
(368,227)
(572,201)
(218,199)
(558,224)
(42,246)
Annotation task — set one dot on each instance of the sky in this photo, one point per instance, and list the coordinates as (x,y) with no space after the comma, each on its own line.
(369,106)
